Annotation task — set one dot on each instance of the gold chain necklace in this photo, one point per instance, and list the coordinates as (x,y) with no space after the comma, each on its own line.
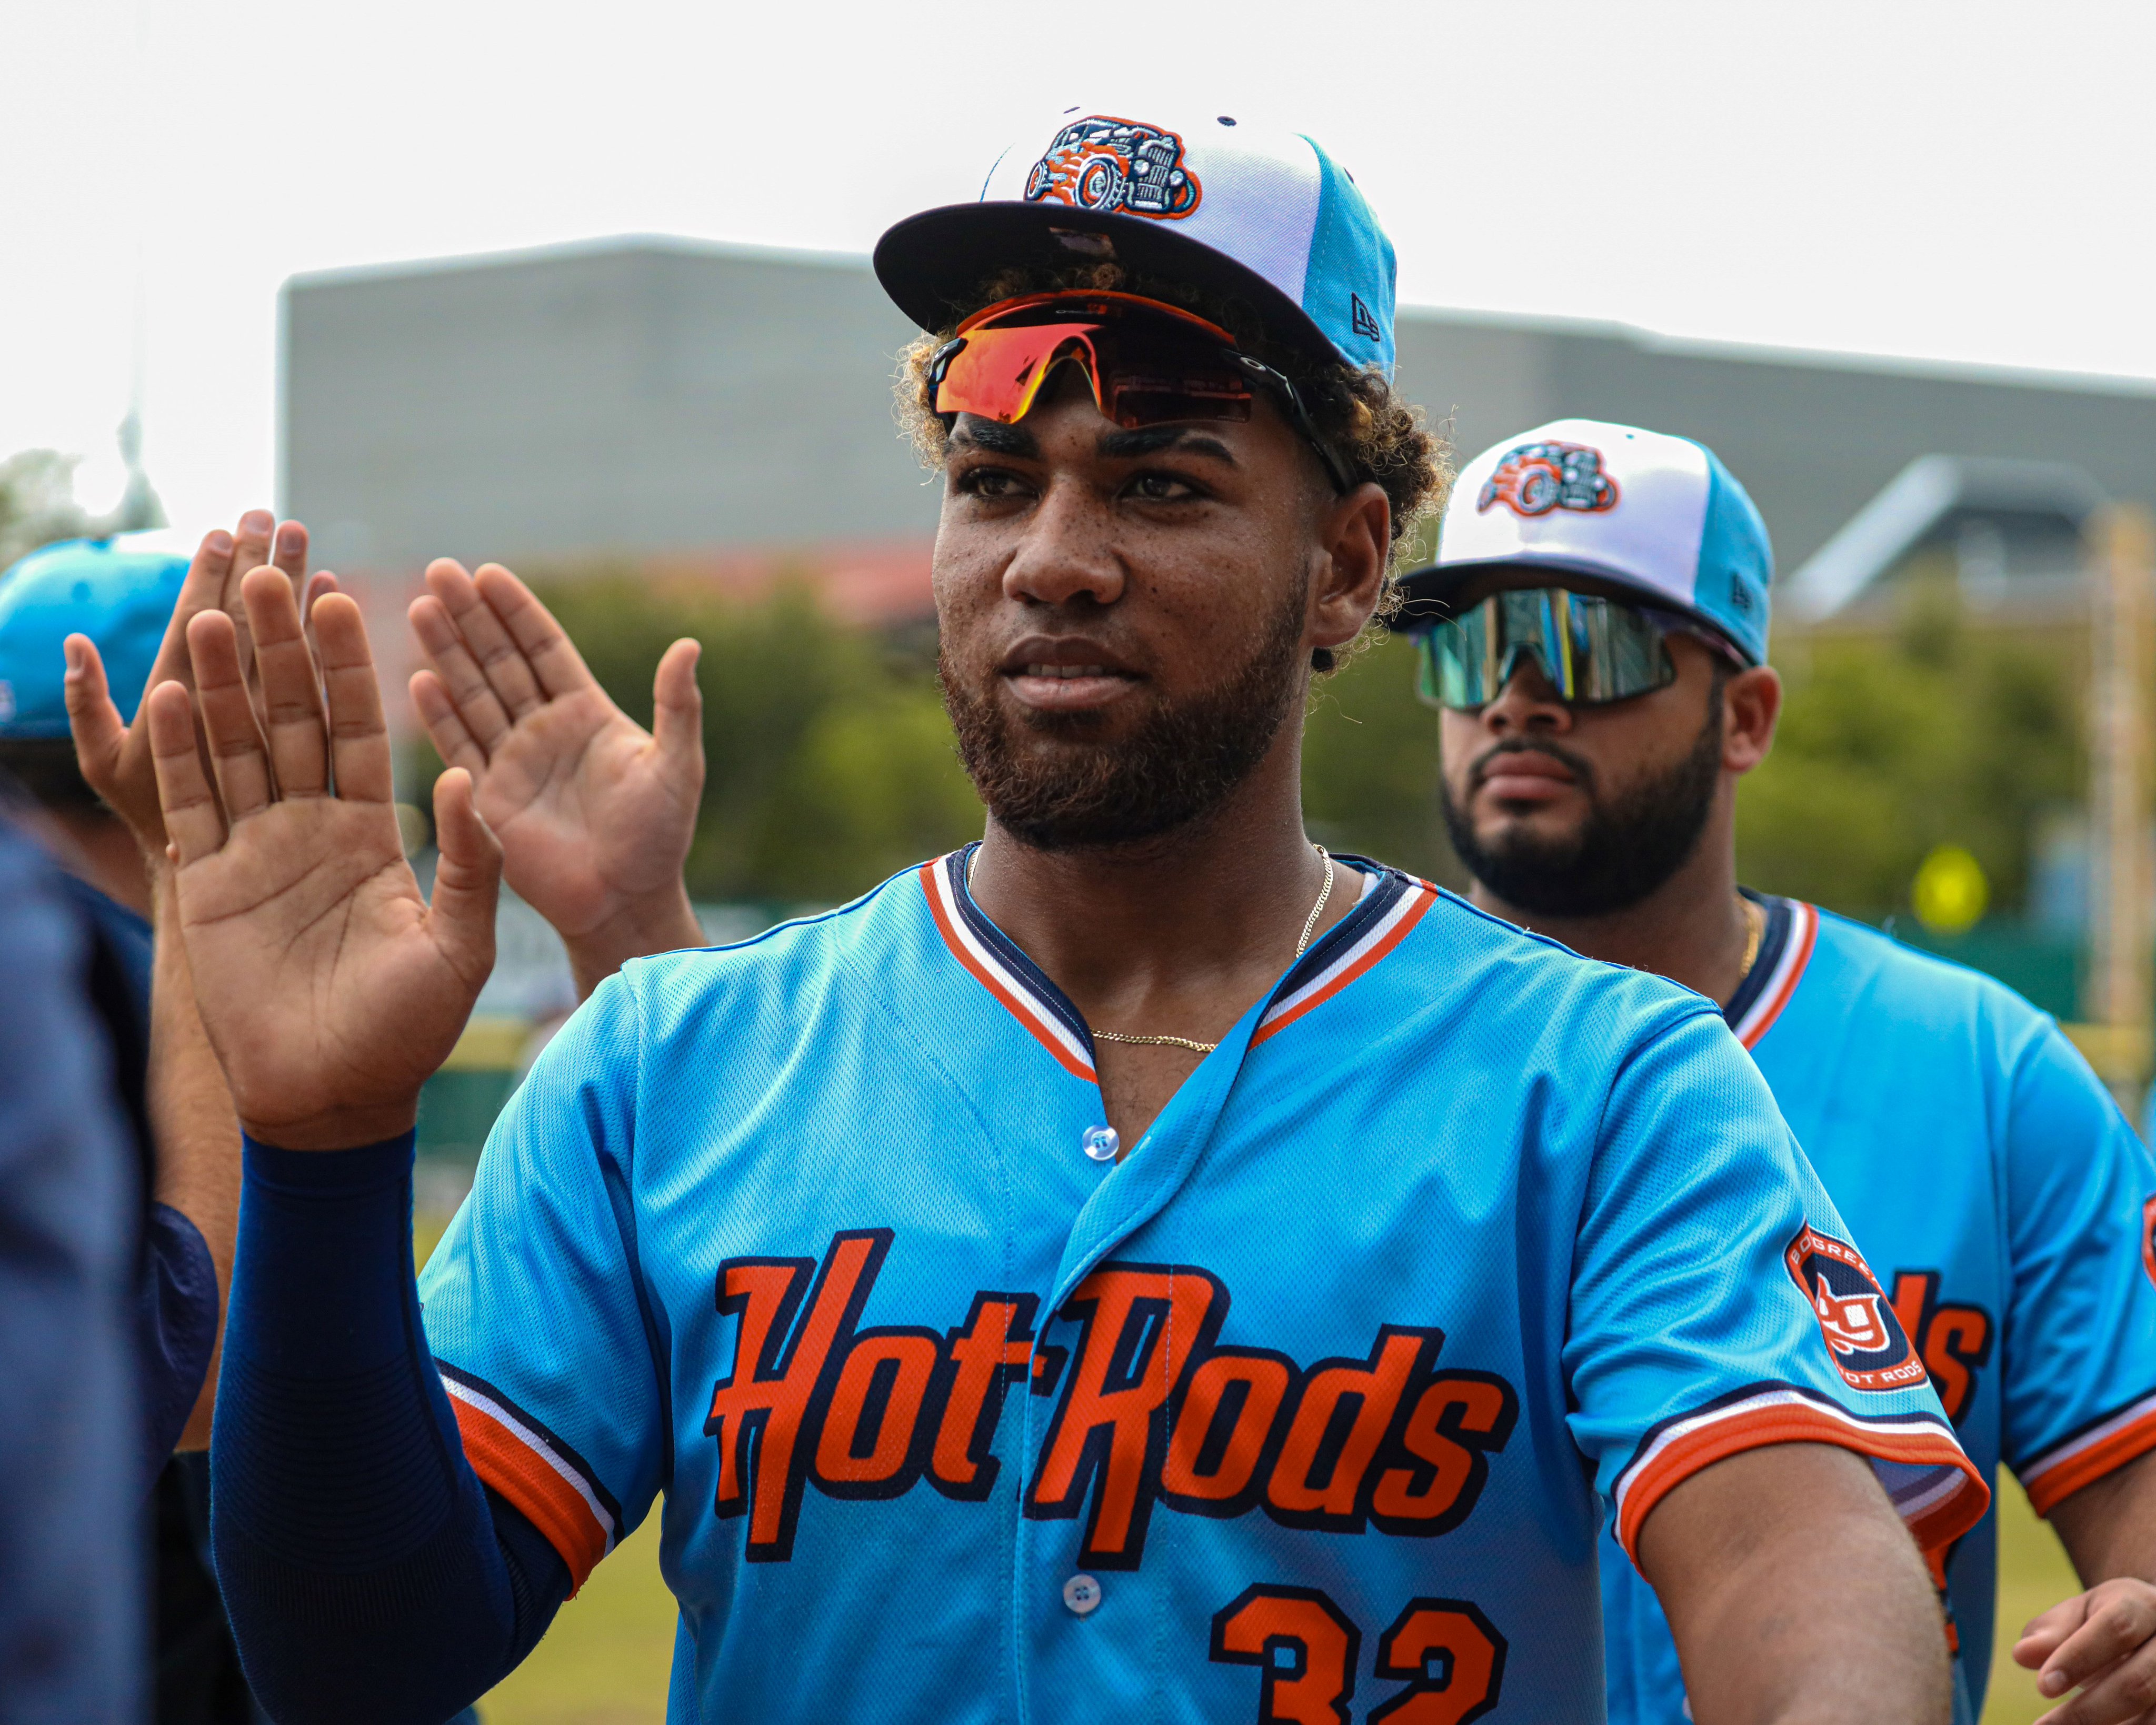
(1302,946)
(1755,931)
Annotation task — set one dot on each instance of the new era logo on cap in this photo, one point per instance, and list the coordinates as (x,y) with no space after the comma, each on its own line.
(1639,509)
(1218,201)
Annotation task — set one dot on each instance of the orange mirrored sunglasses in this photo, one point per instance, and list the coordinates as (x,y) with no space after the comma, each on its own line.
(1148,363)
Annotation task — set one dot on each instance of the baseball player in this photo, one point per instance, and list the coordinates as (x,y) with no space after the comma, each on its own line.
(1136,1263)
(1601,669)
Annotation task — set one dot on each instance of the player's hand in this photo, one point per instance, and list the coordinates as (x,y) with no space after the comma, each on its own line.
(329,988)
(594,812)
(2102,1641)
(115,758)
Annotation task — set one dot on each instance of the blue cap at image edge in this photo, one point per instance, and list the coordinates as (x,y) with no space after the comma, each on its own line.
(121,598)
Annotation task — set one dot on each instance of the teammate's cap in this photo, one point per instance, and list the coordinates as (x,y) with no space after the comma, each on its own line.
(1224,204)
(1657,514)
(118,593)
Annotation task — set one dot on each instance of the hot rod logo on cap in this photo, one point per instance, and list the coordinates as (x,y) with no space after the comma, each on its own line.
(1536,478)
(1863,1337)
(1107,164)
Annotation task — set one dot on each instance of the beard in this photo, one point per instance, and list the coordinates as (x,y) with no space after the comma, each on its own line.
(1628,847)
(1057,780)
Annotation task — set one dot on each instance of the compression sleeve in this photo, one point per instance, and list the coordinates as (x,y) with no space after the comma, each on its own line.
(368,1574)
(176,1330)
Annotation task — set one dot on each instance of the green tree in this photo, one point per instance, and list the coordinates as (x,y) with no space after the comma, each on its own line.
(1936,733)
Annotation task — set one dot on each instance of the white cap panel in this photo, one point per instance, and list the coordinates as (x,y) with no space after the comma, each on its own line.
(1634,502)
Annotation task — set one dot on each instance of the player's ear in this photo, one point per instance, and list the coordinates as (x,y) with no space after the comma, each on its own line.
(1751,708)
(1354,542)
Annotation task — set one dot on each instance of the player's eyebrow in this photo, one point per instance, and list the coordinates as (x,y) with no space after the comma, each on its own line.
(996,437)
(1152,439)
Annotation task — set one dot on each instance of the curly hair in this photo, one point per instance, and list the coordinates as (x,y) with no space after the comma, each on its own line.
(1379,437)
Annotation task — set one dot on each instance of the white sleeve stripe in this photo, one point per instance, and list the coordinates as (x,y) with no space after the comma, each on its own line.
(506,1418)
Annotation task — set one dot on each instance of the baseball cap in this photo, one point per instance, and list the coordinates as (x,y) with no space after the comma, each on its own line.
(1224,203)
(120,593)
(1657,516)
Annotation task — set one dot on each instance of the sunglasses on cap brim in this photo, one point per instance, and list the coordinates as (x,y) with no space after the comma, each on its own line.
(1147,362)
(1589,650)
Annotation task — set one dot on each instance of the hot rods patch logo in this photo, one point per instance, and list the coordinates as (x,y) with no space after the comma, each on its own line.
(1105,164)
(1864,1337)
(1536,478)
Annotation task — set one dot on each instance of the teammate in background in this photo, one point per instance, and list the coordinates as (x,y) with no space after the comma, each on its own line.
(70,1212)
(1601,668)
(127,608)
(1256,1354)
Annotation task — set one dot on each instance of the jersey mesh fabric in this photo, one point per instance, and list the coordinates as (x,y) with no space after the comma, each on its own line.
(2003,1202)
(1450,1225)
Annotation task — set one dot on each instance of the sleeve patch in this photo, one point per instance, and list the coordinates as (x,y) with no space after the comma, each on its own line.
(1933,1483)
(548,1482)
(2149,1237)
(1864,1337)
(2091,1453)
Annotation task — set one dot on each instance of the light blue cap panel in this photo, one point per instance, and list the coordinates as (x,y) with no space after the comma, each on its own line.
(1736,563)
(1347,291)
(121,598)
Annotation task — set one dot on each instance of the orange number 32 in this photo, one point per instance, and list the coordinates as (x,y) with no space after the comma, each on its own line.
(1305,1648)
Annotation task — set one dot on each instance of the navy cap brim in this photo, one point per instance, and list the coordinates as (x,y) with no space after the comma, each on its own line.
(933,264)
(1431,595)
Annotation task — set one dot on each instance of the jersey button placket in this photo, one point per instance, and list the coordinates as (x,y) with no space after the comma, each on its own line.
(1100,1142)
(1081,1594)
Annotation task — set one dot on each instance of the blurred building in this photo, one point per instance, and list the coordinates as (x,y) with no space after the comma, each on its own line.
(727,410)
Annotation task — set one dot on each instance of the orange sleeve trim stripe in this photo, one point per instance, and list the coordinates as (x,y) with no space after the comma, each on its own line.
(2052,1482)
(1936,1519)
(1421,896)
(1761,1018)
(503,1460)
(987,979)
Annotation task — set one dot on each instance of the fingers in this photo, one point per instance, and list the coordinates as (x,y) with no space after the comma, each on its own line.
(201,590)
(2041,1635)
(318,583)
(467,877)
(251,548)
(359,740)
(291,701)
(500,660)
(485,718)
(289,553)
(547,647)
(2110,1651)
(92,718)
(439,713)
(235,743)
(677,709)
(191,823)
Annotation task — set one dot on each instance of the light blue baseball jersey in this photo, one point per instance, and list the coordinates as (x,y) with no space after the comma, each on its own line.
(2005,1205)
(1309,1408)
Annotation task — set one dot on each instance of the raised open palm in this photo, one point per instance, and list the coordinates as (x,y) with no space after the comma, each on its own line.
(115,755)
(594,812)
(331,989)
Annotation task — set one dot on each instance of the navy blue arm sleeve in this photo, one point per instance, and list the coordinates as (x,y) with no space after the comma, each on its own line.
(369,1575)
(175,1329)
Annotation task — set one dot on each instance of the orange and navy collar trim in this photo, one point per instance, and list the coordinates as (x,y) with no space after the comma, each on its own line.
(1390,905)
(1785,951)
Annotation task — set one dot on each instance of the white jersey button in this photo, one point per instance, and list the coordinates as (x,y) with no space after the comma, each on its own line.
(1100,1142)
(1081,1594)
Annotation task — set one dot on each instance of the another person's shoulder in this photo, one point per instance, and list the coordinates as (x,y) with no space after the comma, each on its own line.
(1470,973)
(1875,979)
(784,970)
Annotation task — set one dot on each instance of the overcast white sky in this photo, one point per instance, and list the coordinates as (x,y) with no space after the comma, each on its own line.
(1966,182)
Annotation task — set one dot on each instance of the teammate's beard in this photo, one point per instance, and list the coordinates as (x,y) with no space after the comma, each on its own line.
(1628,847)
(1053,780)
